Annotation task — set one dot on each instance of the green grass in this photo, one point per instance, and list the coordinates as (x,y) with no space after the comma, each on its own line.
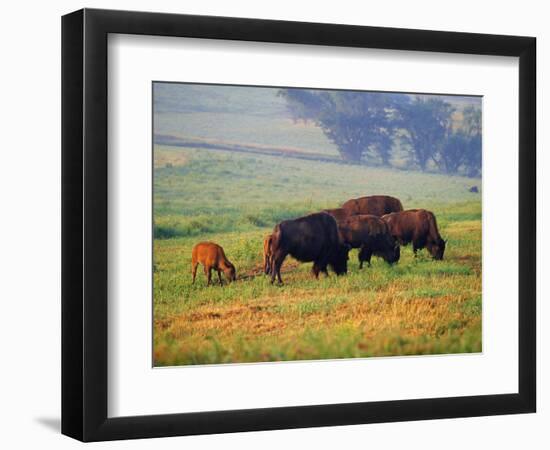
(418,306)
(217,191)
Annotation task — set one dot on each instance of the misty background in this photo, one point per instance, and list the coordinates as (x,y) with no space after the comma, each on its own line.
(432,133)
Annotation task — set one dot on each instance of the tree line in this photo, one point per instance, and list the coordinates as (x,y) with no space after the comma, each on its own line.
(372,128)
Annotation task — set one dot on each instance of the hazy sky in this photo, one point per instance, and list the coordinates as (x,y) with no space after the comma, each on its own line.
(180,97)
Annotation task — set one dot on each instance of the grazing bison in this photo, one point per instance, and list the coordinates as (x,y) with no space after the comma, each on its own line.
(377,205)
(419,227)
(339,214)
(212,256)
(372,236)
(309,238)
(267,254)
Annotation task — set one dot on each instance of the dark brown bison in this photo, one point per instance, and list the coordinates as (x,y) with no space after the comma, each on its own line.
(377,205)
(309,238)
(372,236)
(211,256)
(267,254)
(339,214)
(419,227)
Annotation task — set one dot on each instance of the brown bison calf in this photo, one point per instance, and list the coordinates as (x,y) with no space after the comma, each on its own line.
(372,236)
(419,227)
(377,205)
(211,256)
(267,254)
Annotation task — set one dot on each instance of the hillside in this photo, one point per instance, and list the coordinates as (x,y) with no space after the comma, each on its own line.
(243,116)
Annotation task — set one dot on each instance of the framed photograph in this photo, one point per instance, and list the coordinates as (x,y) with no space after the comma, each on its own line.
(273,224)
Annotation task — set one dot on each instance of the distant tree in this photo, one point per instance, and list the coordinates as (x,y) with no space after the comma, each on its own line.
(473,161)
(462,147)
(472,129)
(453,153)
(360,124)
(427,122)
(472,121)
(365,125)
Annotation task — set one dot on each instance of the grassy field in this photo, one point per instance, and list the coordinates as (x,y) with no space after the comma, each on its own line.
(418,306)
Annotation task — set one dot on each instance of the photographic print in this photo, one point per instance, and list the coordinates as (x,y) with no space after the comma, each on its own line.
(311,224)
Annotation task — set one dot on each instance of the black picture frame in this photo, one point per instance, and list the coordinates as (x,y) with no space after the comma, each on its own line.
(84,224)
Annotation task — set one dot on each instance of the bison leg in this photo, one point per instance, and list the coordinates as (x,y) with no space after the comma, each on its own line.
(273,271)
(208,273)
(278,270)
(320,266)
(276,263)
(194,271)
(317,268)
(419,242)
(364,255)
(220,277)
(279,279)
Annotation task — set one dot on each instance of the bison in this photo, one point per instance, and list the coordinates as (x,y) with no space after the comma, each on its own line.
(211,256)
(310,238)
(419,227)
(376,205)
(267,254)
(372,236)
(339,214)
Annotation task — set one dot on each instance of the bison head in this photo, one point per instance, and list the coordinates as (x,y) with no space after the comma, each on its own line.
(339,260)
(389,252)
(230,272)
(437,249)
